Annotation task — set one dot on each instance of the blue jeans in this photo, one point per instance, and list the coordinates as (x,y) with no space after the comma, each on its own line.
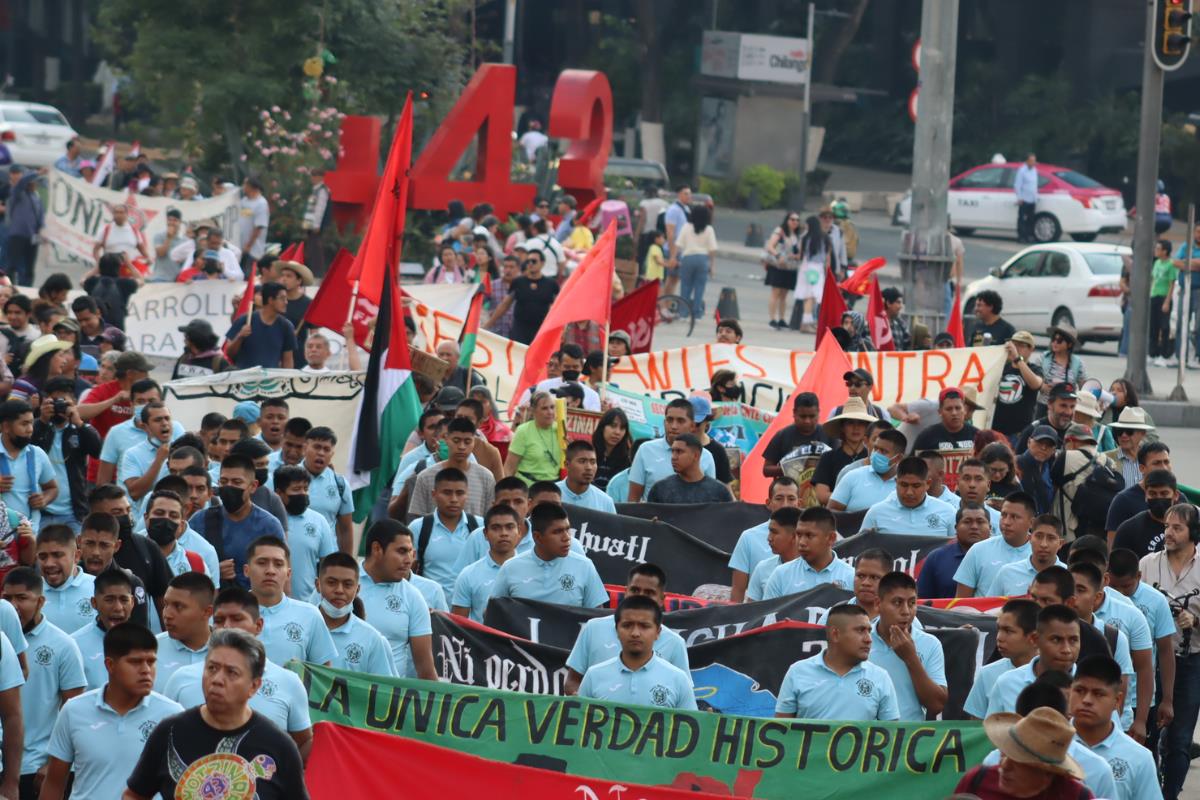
(693,278)
(1123,347)
(1176,741)
(1189,324)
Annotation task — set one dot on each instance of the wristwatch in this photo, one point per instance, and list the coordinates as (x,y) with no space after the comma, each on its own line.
(1019,359)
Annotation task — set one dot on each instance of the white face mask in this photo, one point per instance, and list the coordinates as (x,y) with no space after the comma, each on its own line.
(335,612)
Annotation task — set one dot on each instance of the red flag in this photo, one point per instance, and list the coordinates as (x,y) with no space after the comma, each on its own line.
(586,296)
(635,314)
(289,252)
(832,306)
(380,248)
(824,377)
(954,326)
(245,305)
(877,320)
(860,282)
(331,305)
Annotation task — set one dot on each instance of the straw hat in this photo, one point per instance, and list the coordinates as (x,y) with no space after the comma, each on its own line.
(42,345)
(853,409)
(1088,405)
(1039,739)
(302,272)
(1132,418)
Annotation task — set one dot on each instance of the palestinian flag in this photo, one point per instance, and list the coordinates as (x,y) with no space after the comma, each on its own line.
(470,331)
(389,410)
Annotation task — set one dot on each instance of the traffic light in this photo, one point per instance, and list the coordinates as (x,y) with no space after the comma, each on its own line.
(1172,33)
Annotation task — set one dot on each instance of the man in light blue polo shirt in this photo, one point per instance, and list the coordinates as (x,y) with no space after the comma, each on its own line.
(637,674)
(599,641)
(442,535)
(550,571)
(281,698)
(292,629)
(360,647)
(113,602)
(1016,643)
(910,510)
(187,608)
(55,671)
(973,487)
(1096,693)
(67,588)
(912,657)
(394,606)
(99,734)
(817,563)
(310,537)
(577,488)
(143,464)
(840,683)
(329,493)
(1012,580)
(27,483)
(752,545)
(124,435)
(652,462)
(784,542)
(1057,649)
(473,587)
(863,488)
(985,558)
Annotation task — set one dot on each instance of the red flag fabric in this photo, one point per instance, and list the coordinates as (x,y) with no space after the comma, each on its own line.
(860,282)
(331,305)
(289,252)
(635,314)
(586,296)
(380,248)
(246,304)
(877,321)
(832,306)
(954,326)
(345,762)
(824,378)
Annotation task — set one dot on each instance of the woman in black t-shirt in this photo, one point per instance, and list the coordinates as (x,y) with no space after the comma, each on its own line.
(614,446)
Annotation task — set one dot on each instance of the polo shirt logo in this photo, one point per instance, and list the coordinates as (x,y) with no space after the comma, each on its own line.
(85,607)
(310,529)
(865,687)
(267,689)
(354,654)
(567,582)
(1120,768)
(294,632)
(933,521)
(44,655)
(393,604)
(145,729)
(331,491)
(658,695)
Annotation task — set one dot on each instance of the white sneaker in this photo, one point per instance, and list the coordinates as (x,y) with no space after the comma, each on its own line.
(1159,361)
(1173,362)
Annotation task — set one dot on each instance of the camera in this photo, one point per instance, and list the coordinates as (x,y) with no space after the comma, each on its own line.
(60,407)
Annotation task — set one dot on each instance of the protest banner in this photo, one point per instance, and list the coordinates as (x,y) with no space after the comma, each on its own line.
(718,524)
(320,397)
(671,601)
(156,311)
(76,213)
(766,758)
(733,424)
(344,764)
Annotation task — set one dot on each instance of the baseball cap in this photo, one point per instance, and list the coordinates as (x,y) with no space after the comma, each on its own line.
(114,336)
(1080,433)
(1023,337)
(449,398)
(952,392)
(701,408)
(1043,432)
(132,361)
(68,324)
(88,363)
(197,329)
(569,391)
(622,336)
(1060,391)
(859,374)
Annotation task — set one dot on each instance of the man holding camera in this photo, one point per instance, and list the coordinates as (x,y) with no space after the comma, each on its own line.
(69,441)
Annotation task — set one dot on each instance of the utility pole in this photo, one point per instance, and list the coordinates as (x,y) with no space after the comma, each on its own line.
(1149,138)
(804,132)
(925,253)
(510,30)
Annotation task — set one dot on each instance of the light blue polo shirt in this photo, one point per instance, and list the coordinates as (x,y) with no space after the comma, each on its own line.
(1003,696)
(1012,580)
(177,560)
(135,462)
(62,506)
(598,642)
(474,586)
(477,547)
(1126,619)
(10,626)
(282,697)
(409,463)
(929,650)
(69,606)
(591,498)
(191,540)
(1132,766)
(949,498)
(435,596)
(31,460)
(993,514)
(931,518)
(811,690)
(325,498)
(443,549)
(756,587)
(751,548)
(295,629)
(361,648)
(1097,774)
(101,745)
(55,666)
(569,581)
(798,576)
(652,463)
(985,679)
(214,472)
(124,435)
(656,683)
(90,641)
(399,612)
(1154,608)
(862,488)
(174,655)
(310,538)
(985,559)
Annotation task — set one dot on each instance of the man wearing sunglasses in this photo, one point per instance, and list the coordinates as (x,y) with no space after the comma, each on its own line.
(859,383)
(530,296)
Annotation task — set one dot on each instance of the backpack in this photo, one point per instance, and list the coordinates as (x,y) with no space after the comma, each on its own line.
(427,533)
(214,529)
(108,297)
(1094,496)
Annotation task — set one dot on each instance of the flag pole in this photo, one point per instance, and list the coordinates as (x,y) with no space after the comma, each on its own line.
(350,318)
(604,361)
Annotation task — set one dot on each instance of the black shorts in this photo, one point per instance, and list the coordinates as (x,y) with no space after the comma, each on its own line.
(781,278)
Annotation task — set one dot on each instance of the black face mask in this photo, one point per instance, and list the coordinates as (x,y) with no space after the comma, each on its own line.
(1158,506)
(262,476)
(125,525)
(20,442)
(161,530)
(570,375)
(232,498)
(296,504)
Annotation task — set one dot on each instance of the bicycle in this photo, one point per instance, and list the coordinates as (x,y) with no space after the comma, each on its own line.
(672,307)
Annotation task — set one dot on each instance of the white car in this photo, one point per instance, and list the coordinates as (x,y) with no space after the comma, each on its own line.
(1044,285)
(35,135)
(1068,202)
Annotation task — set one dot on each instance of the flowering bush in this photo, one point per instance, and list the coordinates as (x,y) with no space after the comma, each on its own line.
(284,148)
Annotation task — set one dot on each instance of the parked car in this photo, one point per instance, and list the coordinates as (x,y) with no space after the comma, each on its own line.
(35,134)
(1068,202)
(1044,285)
(628,178)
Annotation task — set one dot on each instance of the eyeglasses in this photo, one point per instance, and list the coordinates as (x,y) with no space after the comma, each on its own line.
(1123,432)
(1058,339)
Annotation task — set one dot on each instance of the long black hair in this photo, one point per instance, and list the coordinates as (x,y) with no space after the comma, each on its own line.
(623,452)
(787,231)
(700,217)
(815,239)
